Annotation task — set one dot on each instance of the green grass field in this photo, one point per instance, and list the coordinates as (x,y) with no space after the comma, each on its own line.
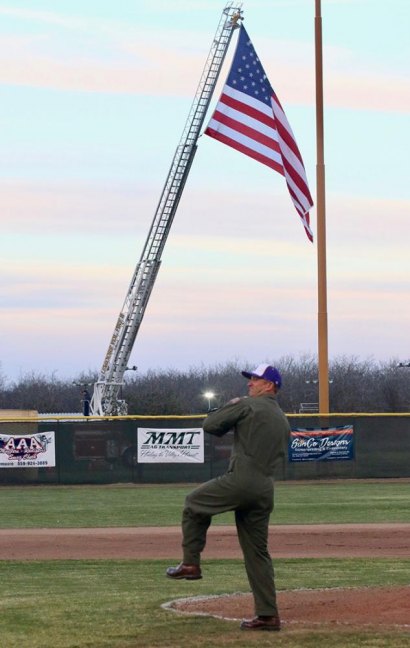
(117,603)
(100,604)
(136,505)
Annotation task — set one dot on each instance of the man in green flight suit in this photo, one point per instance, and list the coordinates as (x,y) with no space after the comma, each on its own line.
(261,432)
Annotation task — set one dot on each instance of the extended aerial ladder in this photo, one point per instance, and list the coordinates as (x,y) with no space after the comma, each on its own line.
(105,399)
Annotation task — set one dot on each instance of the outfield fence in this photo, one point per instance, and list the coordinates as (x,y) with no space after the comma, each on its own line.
(105,450)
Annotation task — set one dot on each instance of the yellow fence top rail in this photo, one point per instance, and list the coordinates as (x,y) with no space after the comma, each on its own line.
(132,417)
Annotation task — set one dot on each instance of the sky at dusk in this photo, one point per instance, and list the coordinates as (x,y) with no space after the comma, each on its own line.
(94,98)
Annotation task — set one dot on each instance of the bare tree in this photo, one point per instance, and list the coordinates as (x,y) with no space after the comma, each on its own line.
(357,386)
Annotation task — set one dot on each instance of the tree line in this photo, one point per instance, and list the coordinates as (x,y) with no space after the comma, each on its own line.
(355,386)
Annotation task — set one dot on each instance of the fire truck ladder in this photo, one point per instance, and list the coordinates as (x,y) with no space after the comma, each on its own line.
(105,399)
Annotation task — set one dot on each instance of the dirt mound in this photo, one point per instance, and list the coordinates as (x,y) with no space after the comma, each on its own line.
(387,607)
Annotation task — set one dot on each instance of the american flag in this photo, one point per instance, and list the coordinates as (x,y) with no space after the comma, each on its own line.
(250,119)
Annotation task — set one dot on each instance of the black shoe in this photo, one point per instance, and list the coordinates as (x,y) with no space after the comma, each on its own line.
(261,623)
(189,572)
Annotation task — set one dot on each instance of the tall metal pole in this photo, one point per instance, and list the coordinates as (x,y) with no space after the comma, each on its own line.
(321,223)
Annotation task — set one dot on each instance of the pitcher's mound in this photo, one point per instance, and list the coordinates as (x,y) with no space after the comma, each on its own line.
(388,607)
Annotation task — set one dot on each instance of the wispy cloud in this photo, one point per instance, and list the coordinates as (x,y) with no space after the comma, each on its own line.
(85,73)
(42,17)
(136,66)
(75,208)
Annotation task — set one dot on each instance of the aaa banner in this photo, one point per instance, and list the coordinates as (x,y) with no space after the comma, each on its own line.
(27,450)
(323,444)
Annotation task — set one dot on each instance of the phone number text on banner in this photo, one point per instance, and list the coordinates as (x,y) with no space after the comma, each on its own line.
(27,450)
(159,445)
(322,444)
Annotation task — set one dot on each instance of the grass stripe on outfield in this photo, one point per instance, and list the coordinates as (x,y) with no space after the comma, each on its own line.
(161,505)
(116,604)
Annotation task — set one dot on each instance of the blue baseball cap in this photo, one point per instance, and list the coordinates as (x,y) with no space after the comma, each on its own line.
(266,372)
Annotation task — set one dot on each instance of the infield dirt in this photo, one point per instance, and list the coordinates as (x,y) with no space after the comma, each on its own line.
(387,608)
(290,541)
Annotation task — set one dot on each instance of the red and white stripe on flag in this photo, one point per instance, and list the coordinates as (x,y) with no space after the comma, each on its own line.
(262,132)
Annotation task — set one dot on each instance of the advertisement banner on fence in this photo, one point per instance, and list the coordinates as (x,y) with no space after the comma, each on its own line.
(323,444)
(27,450)
(170,445)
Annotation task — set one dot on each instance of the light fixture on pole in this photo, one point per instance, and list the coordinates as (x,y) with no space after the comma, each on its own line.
(209,395)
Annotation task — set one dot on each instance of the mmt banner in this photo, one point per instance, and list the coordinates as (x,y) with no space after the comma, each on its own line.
(322,444)
(159,445)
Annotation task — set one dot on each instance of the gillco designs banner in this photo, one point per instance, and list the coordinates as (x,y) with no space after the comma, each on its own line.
(323,444)
(27,450)
(170,445)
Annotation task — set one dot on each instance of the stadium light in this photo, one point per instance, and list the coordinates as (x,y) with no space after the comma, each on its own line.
(209,395)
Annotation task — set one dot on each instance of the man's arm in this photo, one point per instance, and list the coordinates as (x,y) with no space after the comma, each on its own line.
(220,421)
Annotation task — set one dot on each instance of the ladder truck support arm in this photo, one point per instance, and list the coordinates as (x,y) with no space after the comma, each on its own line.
(105,400)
